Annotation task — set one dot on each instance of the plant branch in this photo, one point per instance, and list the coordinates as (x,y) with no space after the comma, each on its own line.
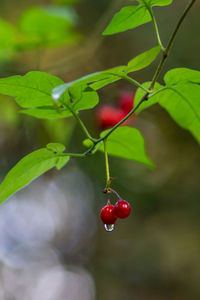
(149,93)
(82,125)
(157,73)
(170,42)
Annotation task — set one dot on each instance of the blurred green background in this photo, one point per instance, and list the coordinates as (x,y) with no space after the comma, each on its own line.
(52,243)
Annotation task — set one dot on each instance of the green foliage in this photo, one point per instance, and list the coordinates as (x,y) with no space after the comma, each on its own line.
(50,25)
(130,17)
(32,166)
(32,90)
(125,142)
(45,96)
(100,79)
(180,97)
(8,39)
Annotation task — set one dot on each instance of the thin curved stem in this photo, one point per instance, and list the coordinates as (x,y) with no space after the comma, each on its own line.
(130,79)
(134,82)
(156,28)
(82,125)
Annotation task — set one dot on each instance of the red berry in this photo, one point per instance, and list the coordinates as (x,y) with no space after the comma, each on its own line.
(108,116)
(122,209)
(126,101)
(108,215)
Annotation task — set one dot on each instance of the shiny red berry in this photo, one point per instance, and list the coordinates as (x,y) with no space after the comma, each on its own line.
(108,116)
(122,209)
(108,215)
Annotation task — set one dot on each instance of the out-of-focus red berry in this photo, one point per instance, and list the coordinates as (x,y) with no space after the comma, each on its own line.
(108,116)
(122,209)
(126,101)
(108,215)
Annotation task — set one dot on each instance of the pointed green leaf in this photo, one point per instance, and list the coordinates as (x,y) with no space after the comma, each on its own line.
(31,90)
(143,60)
(30,167)
(125,142)
(130,17)
(180,97)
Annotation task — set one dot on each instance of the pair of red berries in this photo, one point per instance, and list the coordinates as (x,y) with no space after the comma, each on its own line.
(110,213)
(108,116)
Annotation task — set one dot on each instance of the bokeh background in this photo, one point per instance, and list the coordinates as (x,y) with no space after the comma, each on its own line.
(52,243)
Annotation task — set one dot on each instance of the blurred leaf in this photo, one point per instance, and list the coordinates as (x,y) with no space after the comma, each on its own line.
(49,25)
(125,142)
(30,167)
(180,97)
(8,111)
(130,17)
(59,130)
(31,90)
(8,38)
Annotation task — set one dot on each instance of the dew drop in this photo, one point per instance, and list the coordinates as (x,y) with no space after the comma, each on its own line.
(109,227)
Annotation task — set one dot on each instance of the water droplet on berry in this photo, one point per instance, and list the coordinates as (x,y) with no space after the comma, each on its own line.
(109,227)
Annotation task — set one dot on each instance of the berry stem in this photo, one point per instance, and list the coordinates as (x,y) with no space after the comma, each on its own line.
(114,192)
(108,182)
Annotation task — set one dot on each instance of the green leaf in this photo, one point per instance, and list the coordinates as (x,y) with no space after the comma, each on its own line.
(157,2)
(100,79)
(85,80)
(47,112)
(56,147)
(143,60)
(182,75)
(180,97)
(182,103)
(152,100)
(125,142)
(86,99)
(130,17)
(30,167)
(31,90)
